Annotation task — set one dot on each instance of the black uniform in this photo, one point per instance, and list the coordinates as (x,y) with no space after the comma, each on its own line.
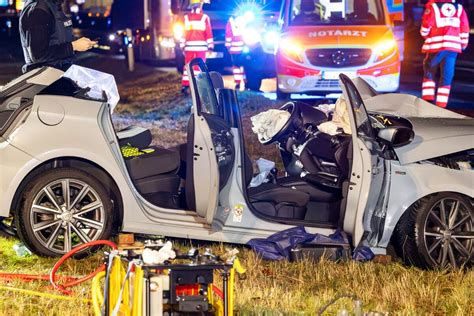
(46,35)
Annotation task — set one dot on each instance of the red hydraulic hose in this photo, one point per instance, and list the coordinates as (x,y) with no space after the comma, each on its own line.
(62,287)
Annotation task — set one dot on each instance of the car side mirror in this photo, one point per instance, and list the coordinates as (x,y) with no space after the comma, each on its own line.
(397,136)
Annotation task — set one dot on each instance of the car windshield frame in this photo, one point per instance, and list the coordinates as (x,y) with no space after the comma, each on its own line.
(379,18)
(361,116)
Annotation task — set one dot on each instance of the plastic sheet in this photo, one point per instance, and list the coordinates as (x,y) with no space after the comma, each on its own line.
(98,82)
(363,254)
(264,168)
(278,245)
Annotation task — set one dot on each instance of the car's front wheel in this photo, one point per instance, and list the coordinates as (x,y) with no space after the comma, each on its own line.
(61,209)
(437,232)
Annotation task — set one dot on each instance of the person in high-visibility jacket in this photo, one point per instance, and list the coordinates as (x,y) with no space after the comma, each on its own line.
(235,46)
(445,28)
(197,39)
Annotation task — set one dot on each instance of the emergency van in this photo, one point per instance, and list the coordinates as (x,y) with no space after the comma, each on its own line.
(322,38)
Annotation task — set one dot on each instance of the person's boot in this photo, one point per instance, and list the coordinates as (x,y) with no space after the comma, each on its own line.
(185,90)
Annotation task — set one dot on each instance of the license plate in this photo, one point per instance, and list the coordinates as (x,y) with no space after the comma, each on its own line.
(334,75)
(214,54)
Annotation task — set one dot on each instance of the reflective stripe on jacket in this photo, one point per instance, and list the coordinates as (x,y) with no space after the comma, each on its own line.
(445,26)
(197,32)
(234,37)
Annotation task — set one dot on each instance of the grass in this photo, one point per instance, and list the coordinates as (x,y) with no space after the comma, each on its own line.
(274,287)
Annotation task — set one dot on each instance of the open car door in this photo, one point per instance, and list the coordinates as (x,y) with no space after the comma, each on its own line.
(211,152)
(368,170)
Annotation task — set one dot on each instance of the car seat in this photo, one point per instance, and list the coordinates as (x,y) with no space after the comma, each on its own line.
(274,200)
(154,171)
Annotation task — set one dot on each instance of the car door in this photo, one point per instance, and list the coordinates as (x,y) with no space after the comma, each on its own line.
(367,176)
(213,152)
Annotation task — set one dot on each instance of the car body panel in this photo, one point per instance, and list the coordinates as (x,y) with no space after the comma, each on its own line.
(411,182)
(70,127)
(365,182)
(438,131)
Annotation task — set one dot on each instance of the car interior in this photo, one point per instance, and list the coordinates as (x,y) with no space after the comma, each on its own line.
(317,165)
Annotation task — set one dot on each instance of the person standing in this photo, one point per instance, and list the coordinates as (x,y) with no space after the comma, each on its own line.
(445,28)
(46,36)
(235,46)
(197,39)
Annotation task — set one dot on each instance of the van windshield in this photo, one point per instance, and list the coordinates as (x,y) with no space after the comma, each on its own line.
(341,12)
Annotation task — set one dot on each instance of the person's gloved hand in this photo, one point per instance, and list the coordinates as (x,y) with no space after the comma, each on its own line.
(83,44)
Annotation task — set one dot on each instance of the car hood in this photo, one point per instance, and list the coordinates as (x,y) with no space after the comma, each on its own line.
(438,131)
(355,35)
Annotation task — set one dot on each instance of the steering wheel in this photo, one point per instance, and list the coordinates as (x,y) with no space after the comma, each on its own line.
(291,124)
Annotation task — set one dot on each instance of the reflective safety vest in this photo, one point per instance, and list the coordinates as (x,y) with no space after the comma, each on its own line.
(445,26)
(197,32)
(234,37)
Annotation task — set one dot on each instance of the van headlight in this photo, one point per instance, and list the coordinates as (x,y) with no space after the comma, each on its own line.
(292,49)
(384,49)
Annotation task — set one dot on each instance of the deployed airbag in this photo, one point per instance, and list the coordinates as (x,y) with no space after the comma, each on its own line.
(267,124)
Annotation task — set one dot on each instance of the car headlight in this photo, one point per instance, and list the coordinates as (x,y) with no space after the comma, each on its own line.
(178,31)
(271,37)
(384,49)
(251,36)
(112,37)
(292,49)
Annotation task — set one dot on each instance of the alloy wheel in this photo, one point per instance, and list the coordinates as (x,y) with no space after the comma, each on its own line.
(449,233)
(66,213)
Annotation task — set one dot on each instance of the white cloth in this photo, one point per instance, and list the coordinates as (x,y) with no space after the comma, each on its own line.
(97,81)
(267,124)
(166,252)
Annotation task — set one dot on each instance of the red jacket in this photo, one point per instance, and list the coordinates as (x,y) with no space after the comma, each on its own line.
(444,27)
(197,32)
(233,37)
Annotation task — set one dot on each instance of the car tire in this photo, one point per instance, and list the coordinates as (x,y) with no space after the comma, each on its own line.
(427,239)
(51,225)
(7,227)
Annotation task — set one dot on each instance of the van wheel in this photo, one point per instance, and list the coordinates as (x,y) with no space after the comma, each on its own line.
(437,232)
(62,209)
